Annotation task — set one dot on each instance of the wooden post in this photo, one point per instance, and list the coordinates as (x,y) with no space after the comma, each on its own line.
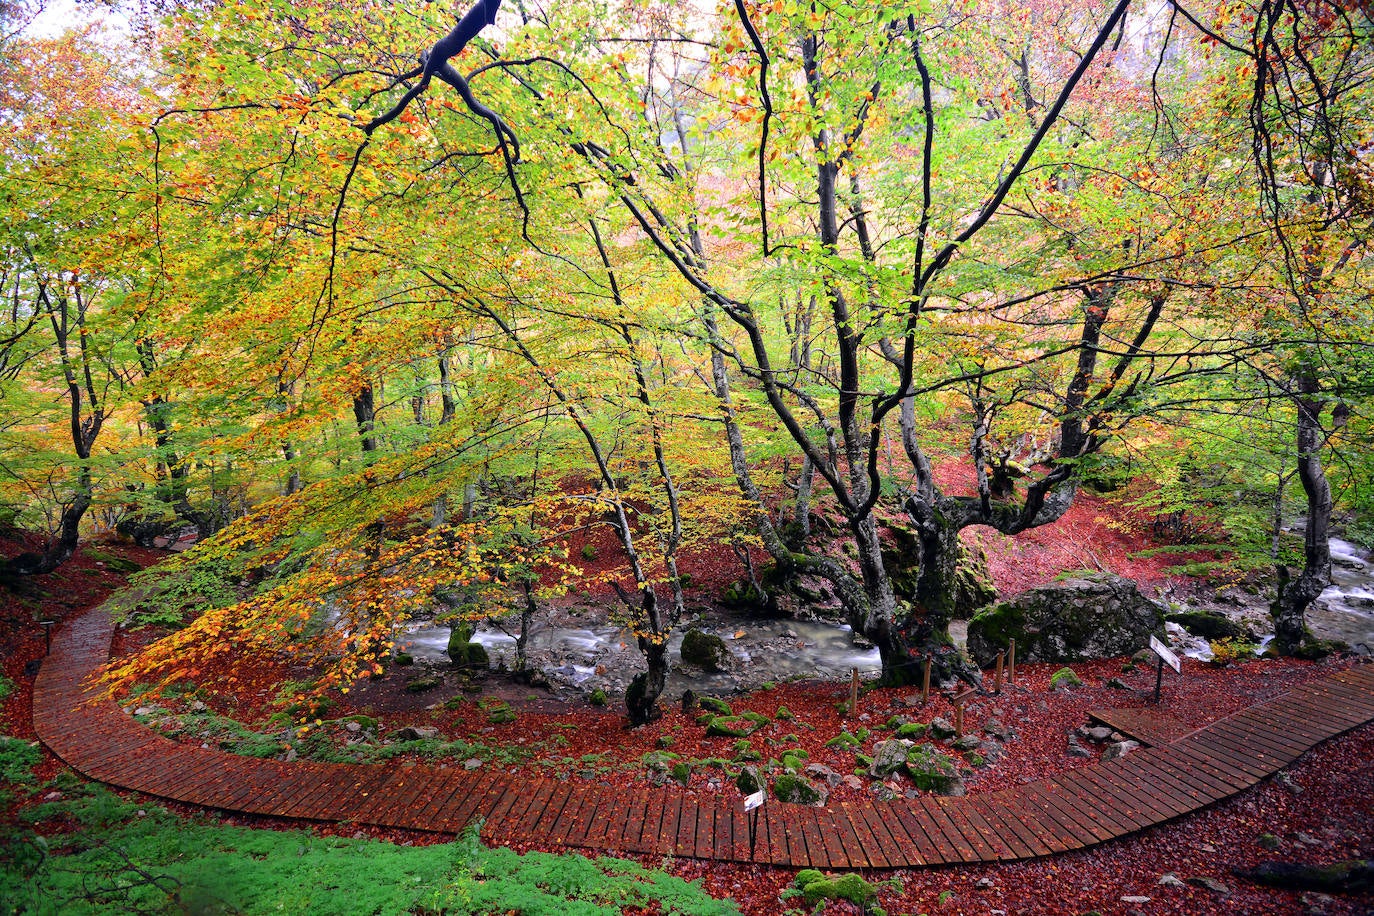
(854,694)
(925,682)
(1011,661)
(957,701)
(997,682)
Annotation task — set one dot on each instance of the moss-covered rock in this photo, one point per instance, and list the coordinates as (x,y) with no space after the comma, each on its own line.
(464,653)
(844,739)
(758,718)
(1065,678)
(933,771)
(912,729)
(1211,625)
(748,780)
(816,886)
(797,790)
(715,705)
(1089,616)
(705,651)
(728,727)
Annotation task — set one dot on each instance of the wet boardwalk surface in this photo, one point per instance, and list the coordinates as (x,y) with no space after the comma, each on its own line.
(1089,805)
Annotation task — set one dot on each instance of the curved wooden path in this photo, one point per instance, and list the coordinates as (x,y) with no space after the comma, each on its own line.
(1080,808)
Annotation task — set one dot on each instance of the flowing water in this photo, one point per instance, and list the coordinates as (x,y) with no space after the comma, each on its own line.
(778,650)
(768,650)
(1345,611)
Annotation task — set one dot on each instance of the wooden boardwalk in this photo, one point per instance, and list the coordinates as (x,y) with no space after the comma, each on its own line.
(1077,809)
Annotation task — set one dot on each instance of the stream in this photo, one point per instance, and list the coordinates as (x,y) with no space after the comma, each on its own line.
(589,657)
(584,658)
(1344,611)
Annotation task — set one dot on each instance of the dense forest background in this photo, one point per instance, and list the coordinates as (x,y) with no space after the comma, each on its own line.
(382,300)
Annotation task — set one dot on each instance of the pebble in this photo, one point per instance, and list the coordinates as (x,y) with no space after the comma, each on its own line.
(1169,879)
(984,884)
(1135,898)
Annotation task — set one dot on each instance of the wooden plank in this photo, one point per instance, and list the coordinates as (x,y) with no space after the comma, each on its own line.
(960,849)
(1202,788)
(1241,753)
(570,825)
(999,840)
(1157,786)
(1083,812)
(1009,815)
(888,851)
(1128,809)
(629,817)
(862,845)
(1057,830)
(922,849)
(687,828)
(633,835)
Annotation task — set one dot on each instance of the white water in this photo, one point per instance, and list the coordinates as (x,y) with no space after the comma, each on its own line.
(572,655)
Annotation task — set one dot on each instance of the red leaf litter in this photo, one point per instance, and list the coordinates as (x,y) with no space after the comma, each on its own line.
(1326,814)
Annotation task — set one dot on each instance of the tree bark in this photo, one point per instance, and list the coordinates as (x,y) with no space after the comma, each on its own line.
(1296,595)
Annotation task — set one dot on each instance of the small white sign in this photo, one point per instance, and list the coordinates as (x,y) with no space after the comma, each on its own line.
(1165,653)
(753,801)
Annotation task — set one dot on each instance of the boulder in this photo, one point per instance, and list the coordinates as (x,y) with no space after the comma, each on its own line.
(933,771)
(889,756)
(705,651)
(1094,615)
(941,727)
(798,790)
(1211,625)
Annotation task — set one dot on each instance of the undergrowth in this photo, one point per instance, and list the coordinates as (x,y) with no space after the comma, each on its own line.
(122,858)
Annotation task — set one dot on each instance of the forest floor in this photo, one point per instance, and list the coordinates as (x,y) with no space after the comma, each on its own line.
(1321,812)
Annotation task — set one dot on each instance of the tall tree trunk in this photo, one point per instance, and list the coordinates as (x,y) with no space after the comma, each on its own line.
(365,415)
(1295,595)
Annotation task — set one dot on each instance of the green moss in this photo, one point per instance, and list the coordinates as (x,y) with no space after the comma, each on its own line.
(844,739)
(912,730)
(123,862)
(1065,678)
(815,887)
(758,718)
(791,788)
(715,705)
(784,714)
(598,698)
(728,727)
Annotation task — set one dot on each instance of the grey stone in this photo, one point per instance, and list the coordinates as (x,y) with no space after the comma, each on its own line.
(1077,750)
(883,792)
(1135,898)
(889,756)
(823,773)
(1169,879)
(1212,884)
(933,771)
(967,743)
(471,763)
(1118,750)
(1096,615)
(352,727)
(941,728)
(1285,779)
(999,731)
(1097,733)
(144,711)
(415,733)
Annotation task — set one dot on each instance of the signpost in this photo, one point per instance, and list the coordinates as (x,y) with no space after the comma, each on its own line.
(752,804)
(1165,655)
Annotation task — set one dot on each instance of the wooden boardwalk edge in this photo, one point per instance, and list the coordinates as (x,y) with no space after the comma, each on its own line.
(1081,808)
